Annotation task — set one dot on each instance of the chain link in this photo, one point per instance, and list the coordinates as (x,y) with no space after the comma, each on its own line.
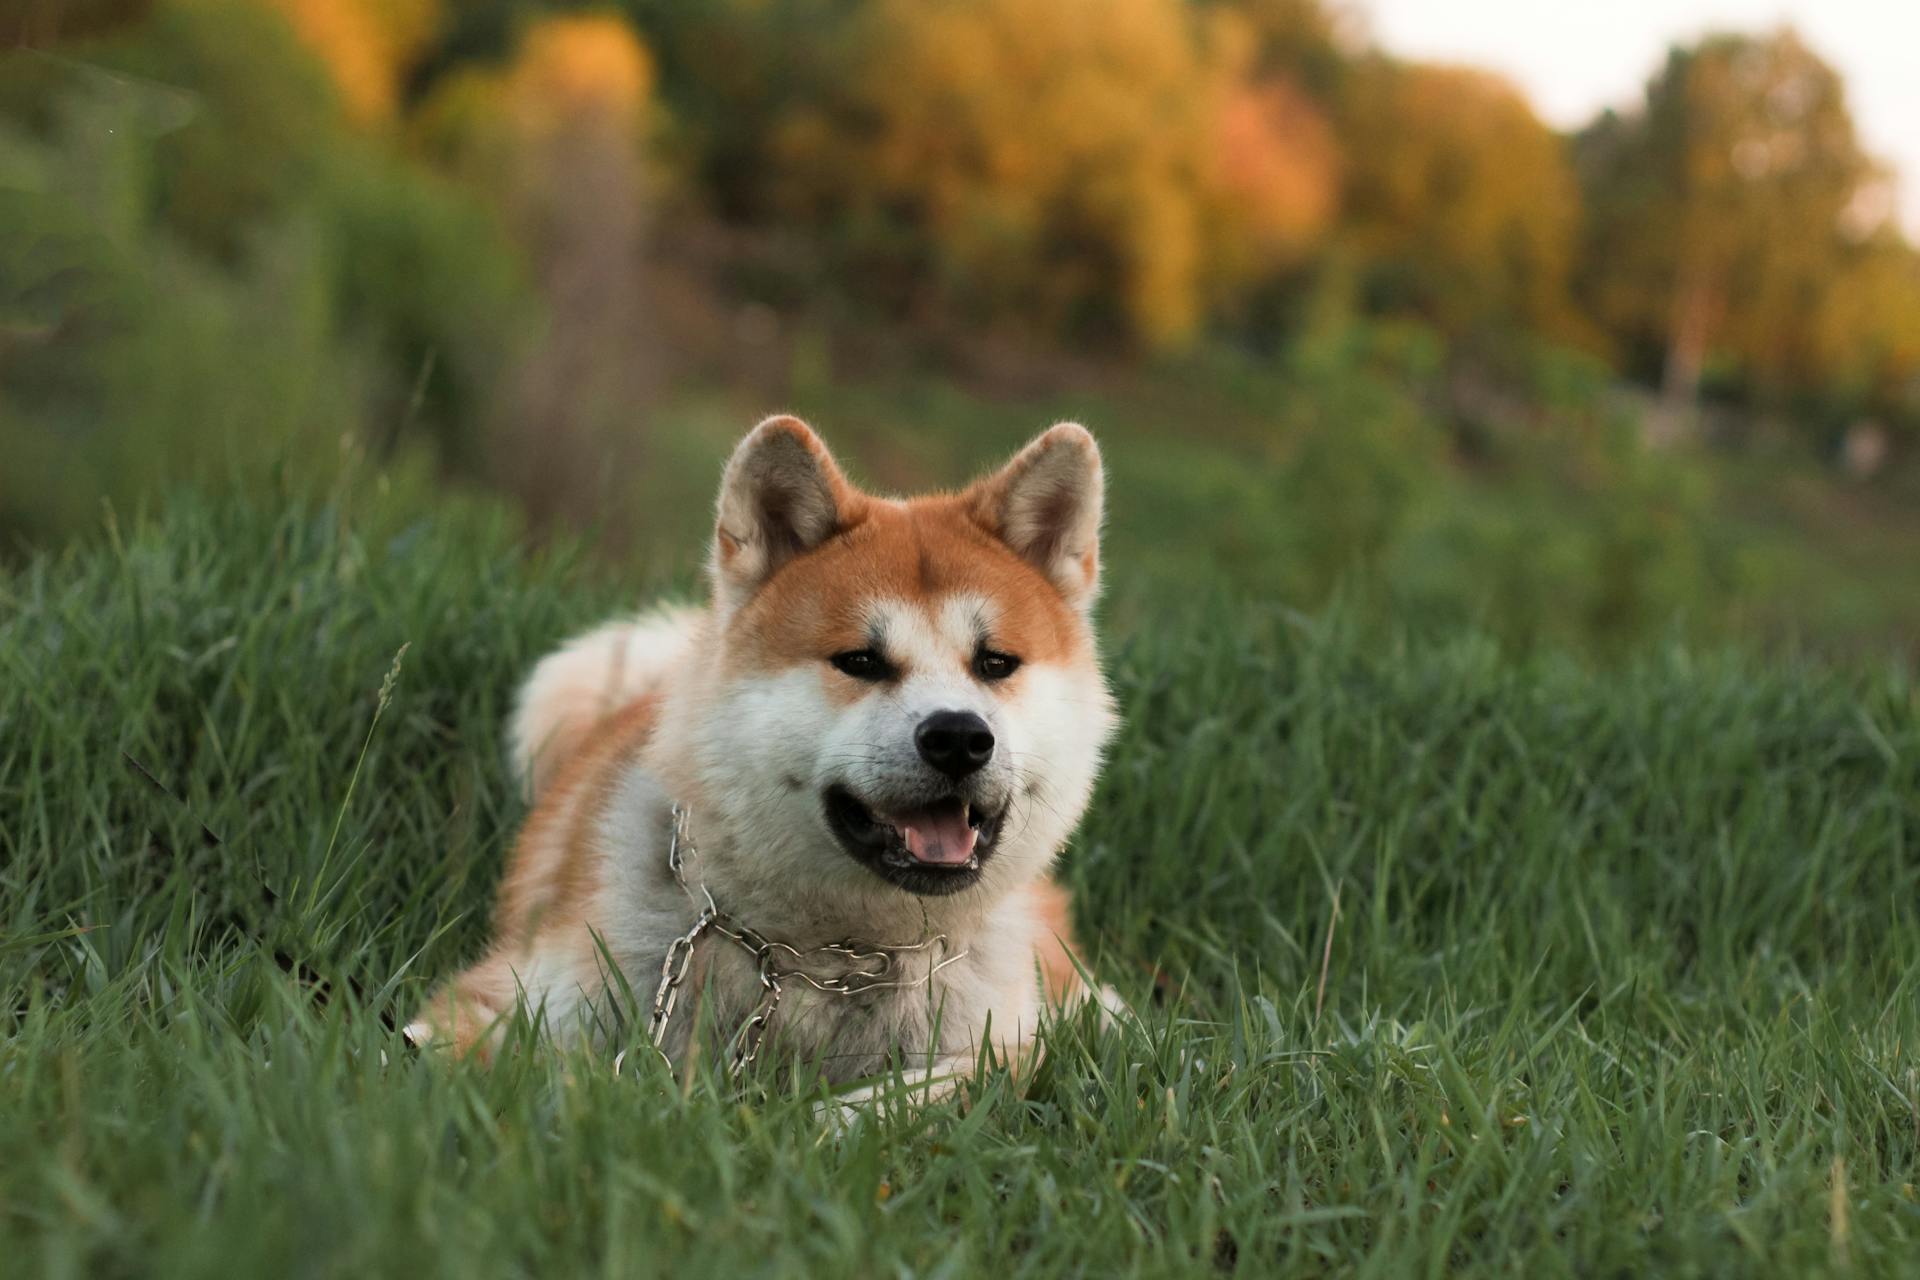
(871,968)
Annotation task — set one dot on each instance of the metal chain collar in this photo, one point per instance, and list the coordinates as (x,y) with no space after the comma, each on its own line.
(870,967)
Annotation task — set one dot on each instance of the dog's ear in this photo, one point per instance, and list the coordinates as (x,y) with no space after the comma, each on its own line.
(1046,504)
(782,495)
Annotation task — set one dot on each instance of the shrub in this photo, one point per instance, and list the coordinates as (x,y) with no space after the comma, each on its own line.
(205,269)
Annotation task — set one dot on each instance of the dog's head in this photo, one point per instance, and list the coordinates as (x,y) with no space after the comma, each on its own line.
(906,697)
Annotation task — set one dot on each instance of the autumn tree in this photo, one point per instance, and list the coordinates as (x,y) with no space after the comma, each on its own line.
(1080,165)
(733,73)
(1730,224)
(367,46)
(1864,333)
(559,139)
(1301,41)
(1461,207)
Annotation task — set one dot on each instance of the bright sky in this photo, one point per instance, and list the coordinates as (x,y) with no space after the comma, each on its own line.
(1573,58)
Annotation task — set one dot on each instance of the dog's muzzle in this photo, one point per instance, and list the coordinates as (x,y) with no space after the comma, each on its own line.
(932,848)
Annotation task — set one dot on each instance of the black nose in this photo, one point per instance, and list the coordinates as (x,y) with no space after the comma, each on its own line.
(954,742)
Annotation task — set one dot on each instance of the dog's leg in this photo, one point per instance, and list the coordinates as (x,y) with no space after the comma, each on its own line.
(465,1014)
(930,1082)
(551,976)
(1063,970)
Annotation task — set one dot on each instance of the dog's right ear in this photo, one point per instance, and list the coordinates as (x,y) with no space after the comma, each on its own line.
(782,495)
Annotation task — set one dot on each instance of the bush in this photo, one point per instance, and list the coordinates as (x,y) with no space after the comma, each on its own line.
(222,277)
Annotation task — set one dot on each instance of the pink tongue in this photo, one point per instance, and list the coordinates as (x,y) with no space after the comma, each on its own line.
(940,836)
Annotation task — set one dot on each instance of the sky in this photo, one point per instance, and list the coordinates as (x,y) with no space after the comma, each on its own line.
(1573,58)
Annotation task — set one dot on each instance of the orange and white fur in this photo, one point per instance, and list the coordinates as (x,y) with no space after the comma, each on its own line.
(884,726)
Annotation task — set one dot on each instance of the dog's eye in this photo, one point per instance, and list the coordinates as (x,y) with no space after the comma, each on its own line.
(862,664)
(990,664)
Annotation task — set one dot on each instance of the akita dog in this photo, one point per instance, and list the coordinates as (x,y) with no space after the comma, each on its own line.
(821,811)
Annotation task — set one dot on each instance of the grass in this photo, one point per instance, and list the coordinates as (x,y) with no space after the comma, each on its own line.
(1304,477)
(1624,976)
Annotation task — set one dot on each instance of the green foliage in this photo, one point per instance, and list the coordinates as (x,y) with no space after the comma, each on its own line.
(1564,532)
(127,366)
(203,272)
(1619,968)
(424,280)
(250,115)
(733,74)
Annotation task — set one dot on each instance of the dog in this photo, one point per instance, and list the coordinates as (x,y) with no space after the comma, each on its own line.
(856,765)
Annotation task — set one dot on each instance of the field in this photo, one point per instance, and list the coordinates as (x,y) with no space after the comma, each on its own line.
(1448,955)
(1512,853)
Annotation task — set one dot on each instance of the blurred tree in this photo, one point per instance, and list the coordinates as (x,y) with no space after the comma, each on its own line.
(1865,331)
(207,271)
(1299,40)
(1460,205)
(1087,165)
(367,46)
(37,24)
(1273,186)
(575,69)
(251,115)
(558,138)
(1726,215)
(732,73)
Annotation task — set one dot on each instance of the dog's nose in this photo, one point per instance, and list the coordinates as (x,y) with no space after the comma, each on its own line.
(956,743)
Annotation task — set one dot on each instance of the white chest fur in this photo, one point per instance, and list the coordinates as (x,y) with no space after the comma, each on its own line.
(851,1007)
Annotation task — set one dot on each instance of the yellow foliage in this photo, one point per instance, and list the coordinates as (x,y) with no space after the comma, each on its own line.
(558,139)
(1078,155)
(1864,328)
(570,68)
(1460,188)
(569,75)
(366,45)
(1278,167)
(1734,228)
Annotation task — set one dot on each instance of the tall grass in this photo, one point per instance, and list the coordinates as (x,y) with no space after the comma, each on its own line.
(1444,960)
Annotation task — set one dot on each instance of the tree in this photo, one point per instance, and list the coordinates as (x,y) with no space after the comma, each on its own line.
(733,74)
(1725,212)
(1084,165)
(207,272)
(558,138)
(367,46)
(1460,205)
(1864,336)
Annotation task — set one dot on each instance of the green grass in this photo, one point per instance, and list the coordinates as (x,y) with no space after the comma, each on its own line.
(1625,975)
(1305,477)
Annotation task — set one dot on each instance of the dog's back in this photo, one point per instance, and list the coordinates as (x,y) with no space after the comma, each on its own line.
(587,680)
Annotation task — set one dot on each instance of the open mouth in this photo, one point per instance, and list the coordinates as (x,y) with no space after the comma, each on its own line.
(930,849)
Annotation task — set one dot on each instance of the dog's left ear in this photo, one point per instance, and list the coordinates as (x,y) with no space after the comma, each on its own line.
(1046,504)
